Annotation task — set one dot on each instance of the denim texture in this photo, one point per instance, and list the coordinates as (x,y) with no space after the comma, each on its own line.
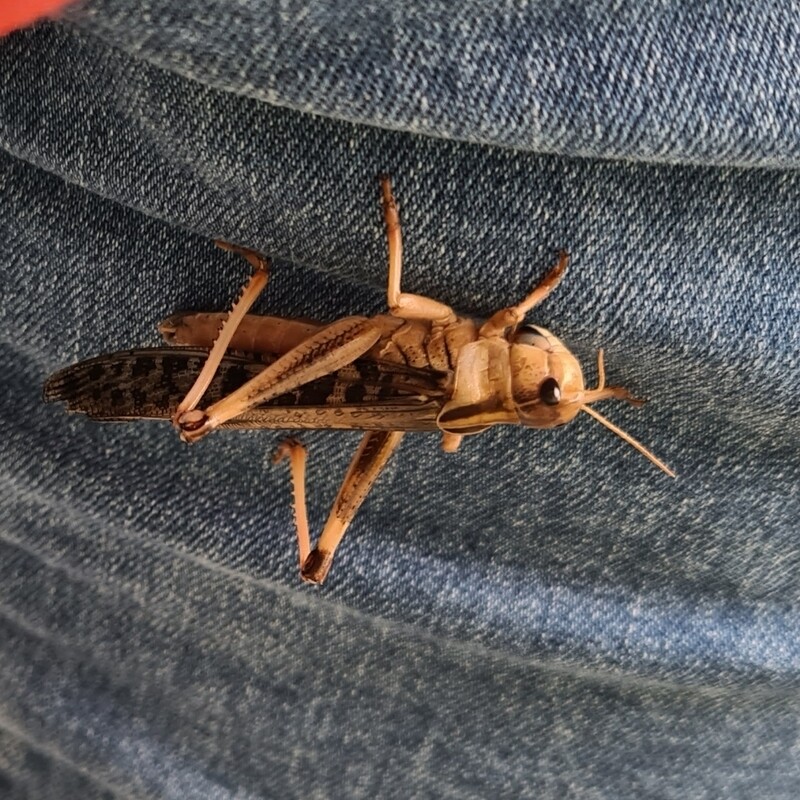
(543,614)
(670,81)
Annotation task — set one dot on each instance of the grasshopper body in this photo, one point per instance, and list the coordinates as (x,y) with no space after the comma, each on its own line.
(420,367)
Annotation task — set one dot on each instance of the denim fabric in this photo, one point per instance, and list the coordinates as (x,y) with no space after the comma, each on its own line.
(670,81)
(542,614)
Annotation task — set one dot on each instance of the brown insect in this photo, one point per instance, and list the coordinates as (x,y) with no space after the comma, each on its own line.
(420,367)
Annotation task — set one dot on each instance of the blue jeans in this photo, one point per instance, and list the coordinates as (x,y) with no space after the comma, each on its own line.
(543,614)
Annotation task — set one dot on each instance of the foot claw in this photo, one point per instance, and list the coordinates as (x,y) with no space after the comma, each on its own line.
(192,425)
(316,566)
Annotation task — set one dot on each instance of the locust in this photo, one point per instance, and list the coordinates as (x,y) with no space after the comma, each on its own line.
(419,367)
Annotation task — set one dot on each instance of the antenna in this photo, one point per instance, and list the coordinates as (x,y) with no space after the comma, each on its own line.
(629,439)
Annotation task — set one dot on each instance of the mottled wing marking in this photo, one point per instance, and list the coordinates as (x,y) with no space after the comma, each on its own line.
(135,384)
(149,383)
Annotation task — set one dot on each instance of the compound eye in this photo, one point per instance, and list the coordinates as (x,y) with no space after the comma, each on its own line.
(550,392)
(530,334)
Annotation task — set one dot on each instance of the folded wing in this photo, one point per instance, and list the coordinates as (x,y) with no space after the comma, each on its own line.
(149,383)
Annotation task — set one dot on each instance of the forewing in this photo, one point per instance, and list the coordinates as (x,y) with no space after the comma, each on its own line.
(149,384)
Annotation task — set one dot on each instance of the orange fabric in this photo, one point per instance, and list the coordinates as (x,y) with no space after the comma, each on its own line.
(19,13)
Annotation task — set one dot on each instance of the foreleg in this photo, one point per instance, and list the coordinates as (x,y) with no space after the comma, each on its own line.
(512,316)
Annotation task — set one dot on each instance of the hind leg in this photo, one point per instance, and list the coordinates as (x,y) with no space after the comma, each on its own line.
(402,304)
(374,451)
